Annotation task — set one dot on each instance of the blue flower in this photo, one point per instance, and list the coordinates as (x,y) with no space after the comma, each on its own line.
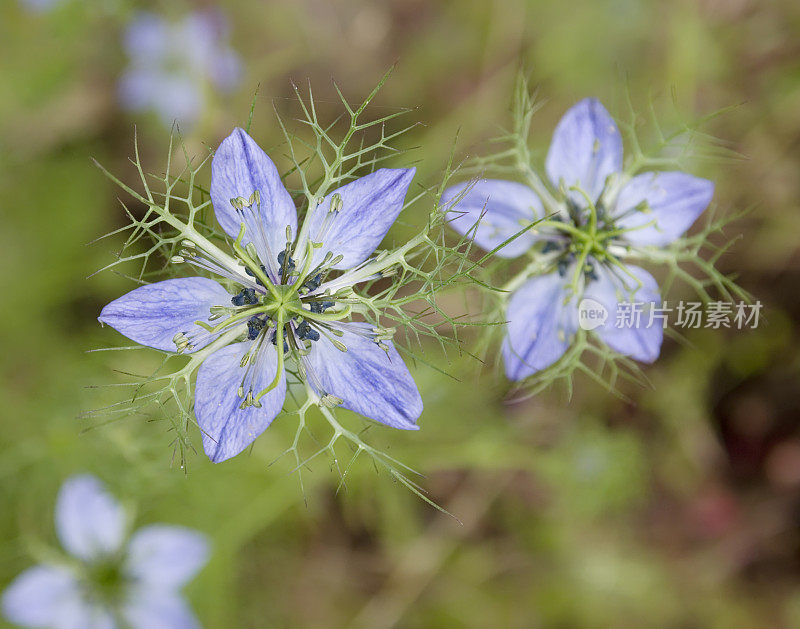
(172,65)
(291,295)
(112,579)
(603,216)
(41,5)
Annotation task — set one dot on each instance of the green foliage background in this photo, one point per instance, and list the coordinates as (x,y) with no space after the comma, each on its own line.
(678,507)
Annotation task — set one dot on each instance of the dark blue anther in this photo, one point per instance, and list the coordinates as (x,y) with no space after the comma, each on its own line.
(289,262)
(251,274)
(285,344)
(314,282)
(550,246)
(321,306)
(247,296)
(254,327)
(305,331)
(563,263)
(591,273)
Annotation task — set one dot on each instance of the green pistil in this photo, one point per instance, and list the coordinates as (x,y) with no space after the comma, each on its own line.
(107,581)
(322,316)
(590,240)
(279,336)
(251,264)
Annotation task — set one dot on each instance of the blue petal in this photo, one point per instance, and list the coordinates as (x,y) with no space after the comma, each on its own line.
(369,380)
(369,207)
(585,150)
(673,201)
(166,556)
(240,168)
(503,209)
(640,340)
(153,314)
(90,523)
(41,597)
(86,614)
(227,429)
(152,608)
(541,325)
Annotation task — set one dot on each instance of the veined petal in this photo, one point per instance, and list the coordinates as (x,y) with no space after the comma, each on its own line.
(369,380)
(369,207)
(541,325)
(660,207)
(228,429)
(629,334)
(153,314)
(89,521)
(40,596)
(499,208)
(166,556)
(152,608)
(240,168)
(586,149)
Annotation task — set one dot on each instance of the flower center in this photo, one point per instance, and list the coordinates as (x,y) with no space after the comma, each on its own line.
(106,582)
(579,238)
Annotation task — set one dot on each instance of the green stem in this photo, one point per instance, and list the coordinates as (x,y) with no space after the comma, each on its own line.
(252,265)
(307,266)
(279,347)
(241,316)
(566,228)
(319,316)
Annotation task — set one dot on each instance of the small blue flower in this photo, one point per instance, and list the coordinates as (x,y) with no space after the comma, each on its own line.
(584,165)
(112,580)
(291,297)
(172,65)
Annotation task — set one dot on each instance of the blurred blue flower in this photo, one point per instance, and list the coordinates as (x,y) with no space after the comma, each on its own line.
(112,580)
(286,302)
(604,215)
(41,5)
(173,65)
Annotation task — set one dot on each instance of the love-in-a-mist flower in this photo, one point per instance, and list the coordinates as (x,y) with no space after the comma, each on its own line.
(288,294)
(594,220)
(109,579)
(173,65)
